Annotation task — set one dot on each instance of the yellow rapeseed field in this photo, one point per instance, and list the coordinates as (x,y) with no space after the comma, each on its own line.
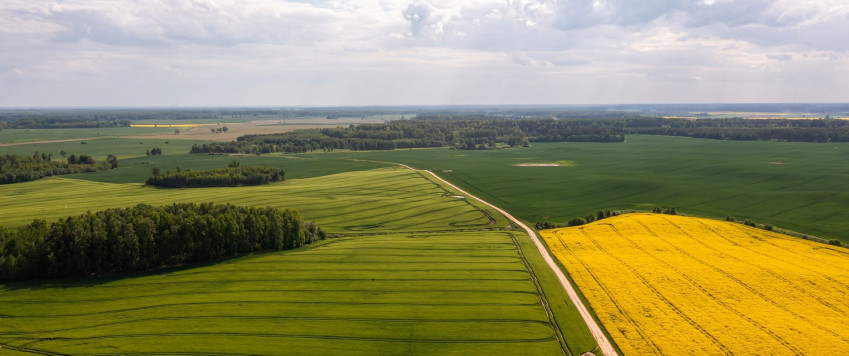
(664,284)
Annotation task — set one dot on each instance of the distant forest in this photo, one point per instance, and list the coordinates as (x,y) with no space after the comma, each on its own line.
(459,132)
(222,177)
(16,169)
(41,122)
(815,130)
(143,237)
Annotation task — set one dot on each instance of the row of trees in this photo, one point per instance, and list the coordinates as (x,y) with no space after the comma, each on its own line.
(232,176)
(578,221)
(792,130)
(467,132)
(143,237)
(46,122)
(16,169)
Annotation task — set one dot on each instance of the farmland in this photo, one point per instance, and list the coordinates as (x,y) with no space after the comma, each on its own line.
(390,199)
(677,285)
(798,186)
(391,294)
(403,278)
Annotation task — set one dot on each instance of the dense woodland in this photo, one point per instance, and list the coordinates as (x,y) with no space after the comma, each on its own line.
(460,132)
(48,122)
(232,176)
(471,132)
(815,130)
(143,237)
(16,169)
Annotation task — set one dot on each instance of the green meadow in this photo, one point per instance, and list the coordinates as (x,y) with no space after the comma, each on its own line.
(29,135)
(99,148)
(418,269)
(388,199)
(798,186)
(427,293)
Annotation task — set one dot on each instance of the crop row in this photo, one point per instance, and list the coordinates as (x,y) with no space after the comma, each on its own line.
(707,286)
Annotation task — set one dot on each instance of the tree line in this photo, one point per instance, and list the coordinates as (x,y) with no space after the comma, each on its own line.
(477,132)
(464,132)
(232,176)
(578,221)
(738,129)
(143,237)
(16,169)
(42,122)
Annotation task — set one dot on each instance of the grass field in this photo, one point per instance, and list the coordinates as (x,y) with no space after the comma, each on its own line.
(99,148)
(798,186)
(390,199)
(24,135)
(677,285)
(406,280)
(426,293)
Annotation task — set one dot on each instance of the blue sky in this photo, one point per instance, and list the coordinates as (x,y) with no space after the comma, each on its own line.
(421,52)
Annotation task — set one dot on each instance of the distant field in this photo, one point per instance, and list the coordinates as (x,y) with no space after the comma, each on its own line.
(460,293)
(675,285)
(99,148)
(24,135)
(798,186)
(390,199)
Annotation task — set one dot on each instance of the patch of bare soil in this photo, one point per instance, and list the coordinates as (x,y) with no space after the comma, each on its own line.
(539,165)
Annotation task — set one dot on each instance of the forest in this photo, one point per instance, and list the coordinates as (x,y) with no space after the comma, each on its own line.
(232,176)
(476,132)
(459,132)
(16,169)
(143,237)
(8,121)
(791,130)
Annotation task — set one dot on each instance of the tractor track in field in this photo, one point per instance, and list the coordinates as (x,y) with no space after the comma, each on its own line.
(599,336)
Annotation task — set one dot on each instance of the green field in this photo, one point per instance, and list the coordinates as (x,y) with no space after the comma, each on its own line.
(389,199)
(427,293)
(406,280)
(798,186)
(99,148)
(28,135)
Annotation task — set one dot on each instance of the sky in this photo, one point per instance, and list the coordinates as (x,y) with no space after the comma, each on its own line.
(185,53)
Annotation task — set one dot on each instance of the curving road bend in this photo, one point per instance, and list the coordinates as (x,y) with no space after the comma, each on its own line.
(600,338)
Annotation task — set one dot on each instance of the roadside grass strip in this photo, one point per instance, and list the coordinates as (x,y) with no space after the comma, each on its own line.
(664,284)
(434,293)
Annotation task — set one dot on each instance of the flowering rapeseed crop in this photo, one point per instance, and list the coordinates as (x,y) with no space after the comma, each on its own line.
(664,284)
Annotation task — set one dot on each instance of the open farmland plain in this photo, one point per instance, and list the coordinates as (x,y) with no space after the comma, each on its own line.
(455,293)
(389,199)
(665,284)
(798,186)
(418,270)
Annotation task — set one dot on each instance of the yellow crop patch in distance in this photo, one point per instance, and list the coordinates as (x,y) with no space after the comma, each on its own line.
(664,284)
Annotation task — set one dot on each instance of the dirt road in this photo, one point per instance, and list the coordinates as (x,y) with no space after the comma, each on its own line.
(599,336)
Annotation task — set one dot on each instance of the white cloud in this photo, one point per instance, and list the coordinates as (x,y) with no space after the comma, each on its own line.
(333,52)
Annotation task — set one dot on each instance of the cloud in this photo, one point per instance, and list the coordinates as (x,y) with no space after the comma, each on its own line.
(477,51)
